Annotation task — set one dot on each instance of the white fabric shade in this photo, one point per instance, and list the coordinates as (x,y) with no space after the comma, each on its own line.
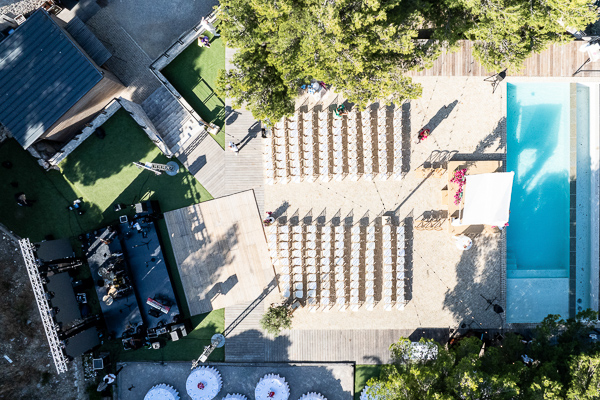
(208,377)
(487,199)
(162,392)
(272,383)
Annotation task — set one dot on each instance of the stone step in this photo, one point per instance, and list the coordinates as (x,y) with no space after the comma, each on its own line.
(537,273)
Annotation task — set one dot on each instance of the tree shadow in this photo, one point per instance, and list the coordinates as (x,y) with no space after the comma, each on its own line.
(466,300)
(496,138)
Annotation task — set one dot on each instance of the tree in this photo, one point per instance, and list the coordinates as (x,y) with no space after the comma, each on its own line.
(507,32)
(566,366)
(276,318)
(364,48)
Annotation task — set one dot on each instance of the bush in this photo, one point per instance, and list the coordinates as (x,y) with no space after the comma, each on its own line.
(276,318)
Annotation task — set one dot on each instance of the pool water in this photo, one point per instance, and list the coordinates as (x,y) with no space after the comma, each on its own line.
(538,151)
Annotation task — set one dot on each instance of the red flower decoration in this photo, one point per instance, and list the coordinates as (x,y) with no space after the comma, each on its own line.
(201,386)
(271,394)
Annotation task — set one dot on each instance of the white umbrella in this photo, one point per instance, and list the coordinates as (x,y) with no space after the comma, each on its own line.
(162,392)
(272,387)
(204,383)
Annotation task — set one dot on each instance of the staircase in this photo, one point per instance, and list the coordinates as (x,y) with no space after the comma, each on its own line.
(511,261)
(174,123)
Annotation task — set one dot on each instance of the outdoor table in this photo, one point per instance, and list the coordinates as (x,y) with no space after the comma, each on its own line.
(463,242)
(204,383)
(162,392)
(272,387)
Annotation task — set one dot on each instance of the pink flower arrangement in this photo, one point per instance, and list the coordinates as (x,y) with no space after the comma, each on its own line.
(460,177)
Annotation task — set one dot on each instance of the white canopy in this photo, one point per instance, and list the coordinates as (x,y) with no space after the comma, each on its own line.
(487,199)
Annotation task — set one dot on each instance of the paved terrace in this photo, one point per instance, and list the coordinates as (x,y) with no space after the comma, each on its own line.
(445,288)
(334,381)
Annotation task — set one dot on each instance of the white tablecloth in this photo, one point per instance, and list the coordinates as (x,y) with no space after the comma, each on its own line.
(272,383)
(162,392)
(211,379)
(312,396)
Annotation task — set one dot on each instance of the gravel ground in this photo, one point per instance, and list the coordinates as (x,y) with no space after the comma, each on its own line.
(32,374)
(17,7)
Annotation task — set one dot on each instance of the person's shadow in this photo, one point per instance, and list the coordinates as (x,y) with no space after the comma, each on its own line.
(252,133)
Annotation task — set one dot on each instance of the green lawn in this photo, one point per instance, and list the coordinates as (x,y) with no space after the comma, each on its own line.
(194,74)
(362,374)
(101,172)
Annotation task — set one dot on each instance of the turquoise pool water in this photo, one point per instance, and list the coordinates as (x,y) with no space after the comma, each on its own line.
(538,152)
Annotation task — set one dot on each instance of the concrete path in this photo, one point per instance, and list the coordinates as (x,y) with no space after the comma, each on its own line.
(128,62)
(157,24)
(334,381)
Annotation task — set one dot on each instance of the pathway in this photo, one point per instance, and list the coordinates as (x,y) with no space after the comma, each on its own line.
(248,343)
(128,62)
(243,170)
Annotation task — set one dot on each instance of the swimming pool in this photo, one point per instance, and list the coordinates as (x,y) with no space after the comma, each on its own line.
(538,238)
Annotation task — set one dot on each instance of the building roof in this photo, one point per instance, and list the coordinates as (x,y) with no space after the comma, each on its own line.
(42,75)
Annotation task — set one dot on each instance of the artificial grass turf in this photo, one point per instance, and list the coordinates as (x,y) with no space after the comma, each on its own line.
(100,171)
(362,374)
(194,74)
(186,349)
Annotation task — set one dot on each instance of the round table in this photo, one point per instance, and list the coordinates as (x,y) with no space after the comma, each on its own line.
(272,387)
(235,396)
(312,396)
(463,242)
(162,392)
(203,383)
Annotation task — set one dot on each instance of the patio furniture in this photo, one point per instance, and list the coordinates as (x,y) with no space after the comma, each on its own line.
(272,387)
(162,392)
(204,383)
(496,79)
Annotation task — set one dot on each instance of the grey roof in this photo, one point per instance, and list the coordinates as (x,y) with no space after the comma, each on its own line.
(86,39)
(42,75)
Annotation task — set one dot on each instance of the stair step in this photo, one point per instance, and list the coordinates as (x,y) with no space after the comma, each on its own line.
(537,273)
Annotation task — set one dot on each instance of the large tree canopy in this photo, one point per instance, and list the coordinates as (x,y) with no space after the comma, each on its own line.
(364,48)
(566,366)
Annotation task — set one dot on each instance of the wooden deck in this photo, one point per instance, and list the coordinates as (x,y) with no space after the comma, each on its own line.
(248,343)
(205,159)
(559,60)
(221,252)
(243,170)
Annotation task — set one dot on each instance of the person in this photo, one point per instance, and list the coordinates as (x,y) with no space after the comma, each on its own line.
(233,148)
(341,110)
(22,200)
(424,134)
(270,219)
(209,27)
(203,41)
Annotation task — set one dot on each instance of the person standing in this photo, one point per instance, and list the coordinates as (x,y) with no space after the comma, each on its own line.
(209,27)
(234,148)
